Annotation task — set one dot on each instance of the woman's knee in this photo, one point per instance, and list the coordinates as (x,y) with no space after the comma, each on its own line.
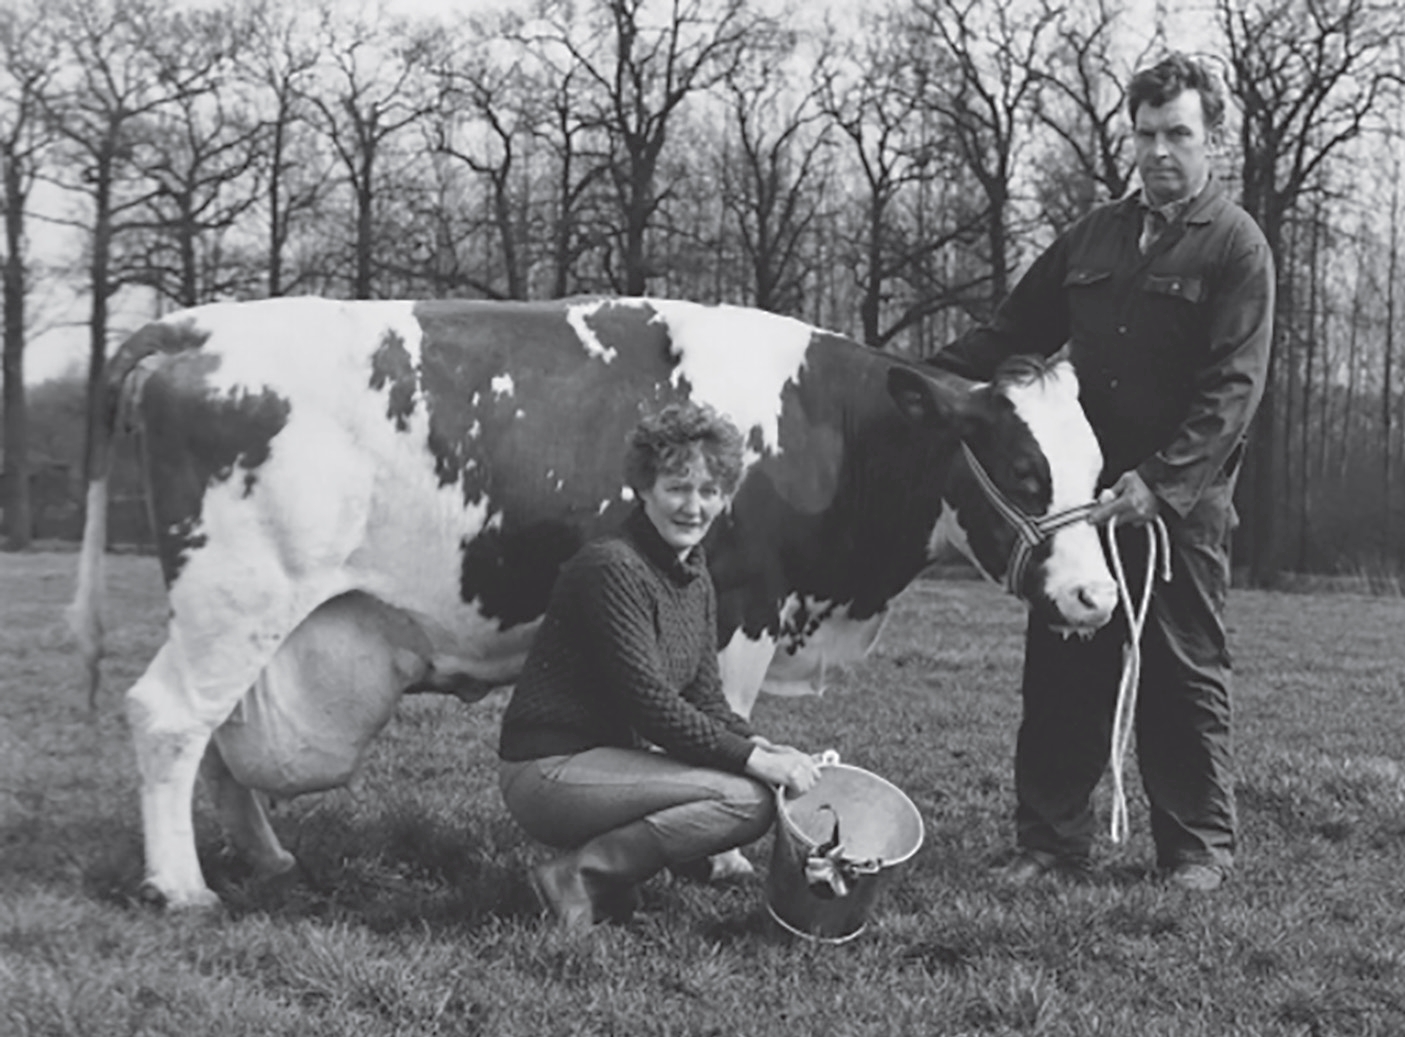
(753,803)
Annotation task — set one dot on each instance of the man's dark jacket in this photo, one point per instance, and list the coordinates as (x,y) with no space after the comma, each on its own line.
(1171,347)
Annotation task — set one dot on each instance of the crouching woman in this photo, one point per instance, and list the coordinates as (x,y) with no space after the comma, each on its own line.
(618,745)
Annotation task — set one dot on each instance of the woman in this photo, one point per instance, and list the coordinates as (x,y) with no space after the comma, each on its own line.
(618,744)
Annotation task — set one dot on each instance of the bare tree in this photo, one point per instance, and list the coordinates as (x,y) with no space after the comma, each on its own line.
(579,172)
(486,116)
(641,71)
(282,58)
(27,55)
(1083,105)
(984,84)
(1309,76)
(201,154)
(771,183)
(874,94)
(373,86)
(122,62)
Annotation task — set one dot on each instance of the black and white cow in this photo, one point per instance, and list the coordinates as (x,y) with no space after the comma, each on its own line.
(355,499)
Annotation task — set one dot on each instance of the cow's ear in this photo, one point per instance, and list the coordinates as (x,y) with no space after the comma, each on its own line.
(925,400)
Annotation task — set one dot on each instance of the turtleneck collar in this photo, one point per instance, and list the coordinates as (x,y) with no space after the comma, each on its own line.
(641,532)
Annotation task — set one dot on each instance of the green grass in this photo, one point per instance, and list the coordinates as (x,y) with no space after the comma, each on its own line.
(412,915)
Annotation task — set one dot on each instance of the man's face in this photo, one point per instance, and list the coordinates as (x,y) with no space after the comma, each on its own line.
(1172,148)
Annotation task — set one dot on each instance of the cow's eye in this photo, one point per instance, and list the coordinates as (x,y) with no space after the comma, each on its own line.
(1026,477)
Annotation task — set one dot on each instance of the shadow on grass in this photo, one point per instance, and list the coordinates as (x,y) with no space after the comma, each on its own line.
(403,870)
(102,857)
(397,872)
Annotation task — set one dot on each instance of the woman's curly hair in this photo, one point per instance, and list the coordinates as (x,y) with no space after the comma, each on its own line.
(667,440)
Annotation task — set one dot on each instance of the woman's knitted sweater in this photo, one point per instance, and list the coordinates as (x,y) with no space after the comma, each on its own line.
(627,655)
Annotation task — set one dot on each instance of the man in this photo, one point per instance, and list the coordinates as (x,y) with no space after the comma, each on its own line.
(1165,299)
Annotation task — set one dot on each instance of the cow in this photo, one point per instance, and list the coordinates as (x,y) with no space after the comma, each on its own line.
(353,500)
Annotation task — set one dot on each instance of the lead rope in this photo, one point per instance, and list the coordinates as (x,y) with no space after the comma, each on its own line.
(1124,715)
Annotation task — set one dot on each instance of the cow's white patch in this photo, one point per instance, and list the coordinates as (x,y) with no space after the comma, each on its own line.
(1077,580)
(251,342)
(575,317)
(743,663)
(713,343)
(804,656)
(502,385)
(1050,409)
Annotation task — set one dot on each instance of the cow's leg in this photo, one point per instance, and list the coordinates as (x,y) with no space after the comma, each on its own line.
(241,813)
(173,711)
(169,740)
(742,664)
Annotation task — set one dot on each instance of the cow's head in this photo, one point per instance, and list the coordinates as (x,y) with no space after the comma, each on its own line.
(1021,484)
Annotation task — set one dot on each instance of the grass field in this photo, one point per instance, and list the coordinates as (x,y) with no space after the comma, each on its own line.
(413,917)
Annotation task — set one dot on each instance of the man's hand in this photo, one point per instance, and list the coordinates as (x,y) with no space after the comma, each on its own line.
(1129,500)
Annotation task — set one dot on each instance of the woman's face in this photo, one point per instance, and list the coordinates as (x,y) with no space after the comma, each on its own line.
(683,503)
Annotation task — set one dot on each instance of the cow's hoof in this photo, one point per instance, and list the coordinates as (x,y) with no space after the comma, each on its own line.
(282,879)
(195,901)
(731,867)
(280,867)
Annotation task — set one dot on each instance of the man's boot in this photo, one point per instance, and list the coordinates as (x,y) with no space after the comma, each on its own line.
(597,881)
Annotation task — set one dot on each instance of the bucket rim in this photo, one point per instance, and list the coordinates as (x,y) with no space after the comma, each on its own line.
(832,941)
(810,844)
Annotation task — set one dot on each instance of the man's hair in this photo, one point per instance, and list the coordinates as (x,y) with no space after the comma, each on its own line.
(666,441)
(1171,75)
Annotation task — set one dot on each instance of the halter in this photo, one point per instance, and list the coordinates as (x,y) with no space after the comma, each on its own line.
(1030,530)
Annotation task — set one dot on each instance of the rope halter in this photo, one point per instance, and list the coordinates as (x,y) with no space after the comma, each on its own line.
(1030,530)
(1158,563)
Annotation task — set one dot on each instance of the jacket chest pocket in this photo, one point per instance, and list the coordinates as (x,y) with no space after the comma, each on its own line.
(1175,286)
(1086,277)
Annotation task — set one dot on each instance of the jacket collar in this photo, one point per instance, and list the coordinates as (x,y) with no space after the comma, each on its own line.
(640,531)
(1201,209)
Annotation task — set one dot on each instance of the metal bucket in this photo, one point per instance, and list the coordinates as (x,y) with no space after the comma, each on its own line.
(834,848)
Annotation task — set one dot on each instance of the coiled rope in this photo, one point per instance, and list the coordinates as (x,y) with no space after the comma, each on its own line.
(1158,553)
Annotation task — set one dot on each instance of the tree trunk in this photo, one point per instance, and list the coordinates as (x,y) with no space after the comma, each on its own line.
(1343,464)
(365,227)
(1305,418)
(18,507)
(1388,368)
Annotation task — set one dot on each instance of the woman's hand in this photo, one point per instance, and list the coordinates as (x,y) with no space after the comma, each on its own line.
(785,766)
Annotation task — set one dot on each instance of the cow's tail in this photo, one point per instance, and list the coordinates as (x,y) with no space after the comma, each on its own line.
(125,373)
(85,612)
